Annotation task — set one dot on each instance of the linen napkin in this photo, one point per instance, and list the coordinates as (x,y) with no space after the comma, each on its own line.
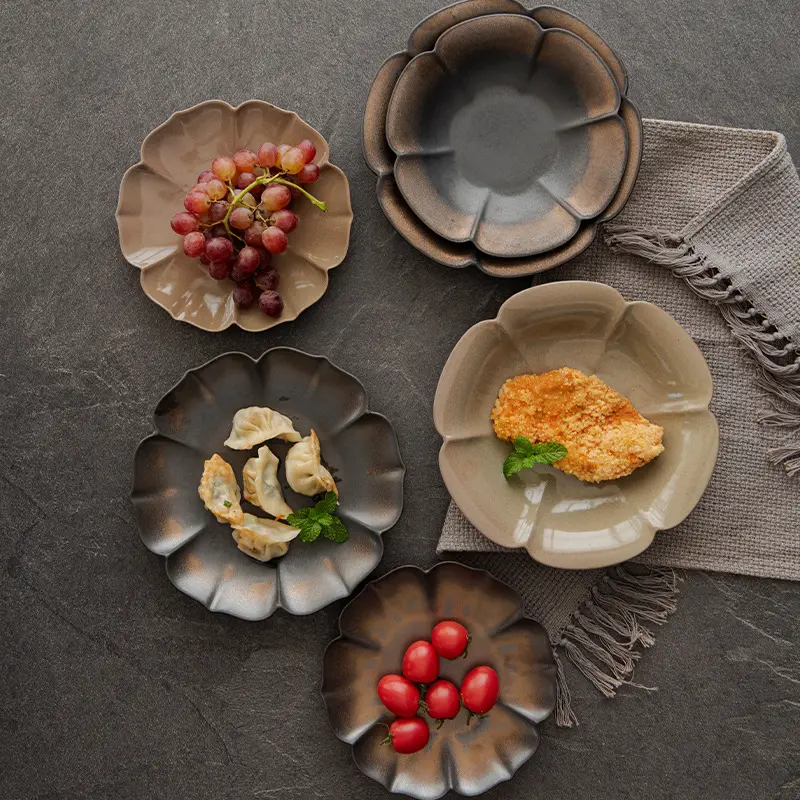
(711,234)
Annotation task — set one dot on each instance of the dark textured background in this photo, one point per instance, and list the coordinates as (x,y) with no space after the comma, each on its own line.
(114,685)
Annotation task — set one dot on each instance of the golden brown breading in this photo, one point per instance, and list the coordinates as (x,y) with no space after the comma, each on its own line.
(605,436)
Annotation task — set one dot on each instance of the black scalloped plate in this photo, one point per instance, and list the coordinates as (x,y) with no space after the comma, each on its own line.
(396,610)
(193,420)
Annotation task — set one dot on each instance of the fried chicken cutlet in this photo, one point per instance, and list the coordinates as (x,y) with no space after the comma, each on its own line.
(605,436)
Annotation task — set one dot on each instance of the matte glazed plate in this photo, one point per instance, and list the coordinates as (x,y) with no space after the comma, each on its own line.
(193,420)
(152,191)
(637,349)
(378,626)
(381,159)
(507,135)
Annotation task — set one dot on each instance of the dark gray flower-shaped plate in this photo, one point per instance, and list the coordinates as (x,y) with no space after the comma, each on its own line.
(381,159)
(193,420)
(396,610)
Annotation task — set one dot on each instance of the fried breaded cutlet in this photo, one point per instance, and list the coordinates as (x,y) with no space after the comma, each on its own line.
(605,436)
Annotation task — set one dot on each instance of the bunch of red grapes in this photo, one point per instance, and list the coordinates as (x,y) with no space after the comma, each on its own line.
(237,217)
(443,700)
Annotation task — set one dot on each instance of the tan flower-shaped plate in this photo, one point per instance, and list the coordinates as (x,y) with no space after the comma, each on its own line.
(152,191)
(640,351)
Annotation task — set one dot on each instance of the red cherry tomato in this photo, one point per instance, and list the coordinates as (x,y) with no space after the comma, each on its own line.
(420,663)
(408,735)
(443,700)
(449,639)
(399,695)
(479,689)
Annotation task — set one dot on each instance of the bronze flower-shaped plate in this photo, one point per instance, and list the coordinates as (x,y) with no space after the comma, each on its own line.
(193,420)
(153,190)
(381,159)
(377,627)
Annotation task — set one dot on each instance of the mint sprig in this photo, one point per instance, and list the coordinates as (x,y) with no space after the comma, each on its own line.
(319,521)
(525,455)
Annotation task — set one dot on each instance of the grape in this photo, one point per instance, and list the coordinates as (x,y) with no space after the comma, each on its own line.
(282,148)
(206,177)
(217,211)
(219,249)
(200,187)
(243,295)
(245,160)
(307,148)
(237,275)
(197,202)
(293,160)
(267,154)
(194,244)
(274,240)
(276,196)
(203,259)
(183,223)
(253,234)
(271,304)
(241,218)
(285,219)
(256,191)
(267,279)
(207,234)
(248,260)
(309,174)
(219,270)
(266,258)
(245,179)
(248,200)
(216,189)
(224,168)
(219,230)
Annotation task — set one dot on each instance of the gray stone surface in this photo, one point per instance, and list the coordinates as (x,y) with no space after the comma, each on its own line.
(114,685)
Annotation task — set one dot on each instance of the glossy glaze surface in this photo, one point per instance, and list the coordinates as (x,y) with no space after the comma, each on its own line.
(153,190)
(637,349)
(193,420)
(402,607)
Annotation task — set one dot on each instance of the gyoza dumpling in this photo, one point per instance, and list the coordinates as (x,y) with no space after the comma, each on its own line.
(304,470)
(254,425)
(219,490)
(263,539)
(261,487)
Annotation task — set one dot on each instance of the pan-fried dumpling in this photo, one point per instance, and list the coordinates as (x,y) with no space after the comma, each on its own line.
(261,487)
(254,425)
(219,490)
(304,470)
(263,539)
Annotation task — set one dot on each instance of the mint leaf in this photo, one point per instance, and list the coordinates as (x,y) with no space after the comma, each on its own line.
(328,503)
(548,452)
(336,531)
(514,463)
(525,455)
(523,446)
(300,517)
(309,532)
(323,517)
(227,503)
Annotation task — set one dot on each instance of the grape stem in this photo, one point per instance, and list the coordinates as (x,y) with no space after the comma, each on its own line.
(263,181)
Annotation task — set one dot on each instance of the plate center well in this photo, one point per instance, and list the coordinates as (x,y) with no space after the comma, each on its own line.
(504,140)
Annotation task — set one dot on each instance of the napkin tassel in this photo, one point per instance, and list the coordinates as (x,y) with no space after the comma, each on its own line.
(775,352)
(601,638)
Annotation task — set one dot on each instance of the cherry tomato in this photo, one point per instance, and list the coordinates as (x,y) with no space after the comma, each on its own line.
(399,695)
(450,639)
(442,700)
(408,735)
(479,689)
(420,663)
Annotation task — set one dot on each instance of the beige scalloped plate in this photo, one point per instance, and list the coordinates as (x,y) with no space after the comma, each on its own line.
(152,191)
(637,349)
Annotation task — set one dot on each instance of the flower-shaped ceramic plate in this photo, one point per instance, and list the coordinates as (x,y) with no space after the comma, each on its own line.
(377,627)
(381,159)
(507,135)
(193,420)
(152,191)
(640,351)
